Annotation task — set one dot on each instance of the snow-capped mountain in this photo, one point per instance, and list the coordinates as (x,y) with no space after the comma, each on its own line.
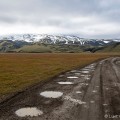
(58,39)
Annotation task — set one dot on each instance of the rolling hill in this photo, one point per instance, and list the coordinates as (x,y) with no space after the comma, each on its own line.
(33,49)
(8,45)
(111,48)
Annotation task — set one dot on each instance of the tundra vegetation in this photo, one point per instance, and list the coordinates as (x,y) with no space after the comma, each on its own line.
(18,71)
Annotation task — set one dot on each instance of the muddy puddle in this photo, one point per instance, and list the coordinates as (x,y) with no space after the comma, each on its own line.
(77,73)
(65,83)
(29,111)
(85,71)
(94,91)
(78,92)
(92,101)
(51,94)
(72,77)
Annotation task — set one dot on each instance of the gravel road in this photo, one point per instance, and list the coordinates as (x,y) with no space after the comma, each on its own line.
(90,93)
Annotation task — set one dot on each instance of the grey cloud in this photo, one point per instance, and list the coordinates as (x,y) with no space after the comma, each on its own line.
(59,12)
(40,9)
(6,19)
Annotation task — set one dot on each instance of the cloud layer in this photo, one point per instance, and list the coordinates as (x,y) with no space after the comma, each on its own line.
(86,18)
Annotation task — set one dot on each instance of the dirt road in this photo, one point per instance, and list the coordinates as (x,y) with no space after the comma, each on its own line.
(91,93)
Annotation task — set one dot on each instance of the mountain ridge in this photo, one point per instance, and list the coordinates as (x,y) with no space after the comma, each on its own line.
(40,43)
(57,39)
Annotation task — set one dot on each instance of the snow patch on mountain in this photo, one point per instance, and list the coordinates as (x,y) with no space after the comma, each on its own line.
(60,39)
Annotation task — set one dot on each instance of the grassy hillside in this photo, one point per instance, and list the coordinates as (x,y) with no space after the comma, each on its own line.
(25,47)
(111,48)
(34,49)
(47,48)
(17,71)
(8,45)
(66,48)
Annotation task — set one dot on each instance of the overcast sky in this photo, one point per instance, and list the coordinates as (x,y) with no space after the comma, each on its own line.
(86,18)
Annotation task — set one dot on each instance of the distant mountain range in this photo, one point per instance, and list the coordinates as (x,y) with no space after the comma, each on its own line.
(52,43)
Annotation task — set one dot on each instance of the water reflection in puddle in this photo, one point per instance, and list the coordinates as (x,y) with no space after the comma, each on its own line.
(78,92)
(30,111)
(94,91)
(105,104)
(86,84)
(65,83)
(107,88)
(72,77)
(77,73)
(85,69)
(51,94)
(92,101)
(85,72)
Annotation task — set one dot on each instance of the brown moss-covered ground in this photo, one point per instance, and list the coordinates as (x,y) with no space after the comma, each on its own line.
(18,71)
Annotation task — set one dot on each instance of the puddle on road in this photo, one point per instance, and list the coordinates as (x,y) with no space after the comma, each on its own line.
(94,91)
(29,111)
(85,72)
(65,83)
(82,75)
(78,92)
(77,73)
(72,77)
(107,88)
(51,94)
(87,78)
(92,101)
(105,104)
(85,69)
(86,84)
